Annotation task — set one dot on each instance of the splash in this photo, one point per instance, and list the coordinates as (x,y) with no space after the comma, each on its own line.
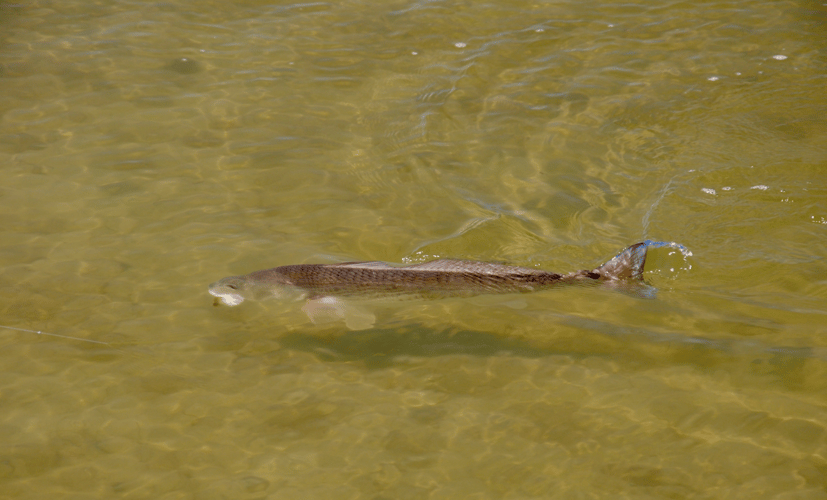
(670,263)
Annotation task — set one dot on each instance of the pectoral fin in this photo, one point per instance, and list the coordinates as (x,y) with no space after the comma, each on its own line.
(516,304)
(327,309)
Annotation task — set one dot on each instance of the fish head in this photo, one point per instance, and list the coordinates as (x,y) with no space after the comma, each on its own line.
(233,290)
(229,290)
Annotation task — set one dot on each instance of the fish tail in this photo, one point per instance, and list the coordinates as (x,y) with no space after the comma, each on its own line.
(628,264)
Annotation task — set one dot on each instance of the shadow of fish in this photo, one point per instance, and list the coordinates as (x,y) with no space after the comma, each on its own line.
(325,285)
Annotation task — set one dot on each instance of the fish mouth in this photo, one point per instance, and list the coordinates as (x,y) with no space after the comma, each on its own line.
(228,298)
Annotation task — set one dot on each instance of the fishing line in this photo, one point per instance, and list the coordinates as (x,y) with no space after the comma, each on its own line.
(663,192)
(39,332)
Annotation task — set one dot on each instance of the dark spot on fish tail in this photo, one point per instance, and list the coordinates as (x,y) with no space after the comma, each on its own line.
(587,274)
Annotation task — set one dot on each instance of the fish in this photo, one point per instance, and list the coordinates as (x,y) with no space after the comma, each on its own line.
(328,288)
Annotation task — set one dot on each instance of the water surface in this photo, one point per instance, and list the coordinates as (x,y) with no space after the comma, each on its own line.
(150,149)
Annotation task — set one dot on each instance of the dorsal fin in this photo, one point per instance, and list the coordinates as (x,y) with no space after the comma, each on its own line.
(470,266)
(440,265)
(374,264)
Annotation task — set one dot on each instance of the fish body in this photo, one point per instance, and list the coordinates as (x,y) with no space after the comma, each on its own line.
(325,284)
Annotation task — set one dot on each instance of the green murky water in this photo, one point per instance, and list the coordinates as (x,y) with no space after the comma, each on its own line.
(149,149)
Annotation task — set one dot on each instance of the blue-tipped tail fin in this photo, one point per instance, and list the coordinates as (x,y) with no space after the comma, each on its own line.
(628,264)
(625,270)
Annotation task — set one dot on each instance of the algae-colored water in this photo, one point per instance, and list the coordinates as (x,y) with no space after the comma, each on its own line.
(149,149)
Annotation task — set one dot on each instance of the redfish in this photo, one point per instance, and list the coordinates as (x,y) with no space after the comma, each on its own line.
(325,285)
